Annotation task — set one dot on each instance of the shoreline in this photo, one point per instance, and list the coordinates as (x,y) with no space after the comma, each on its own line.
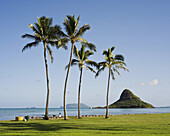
(10,114)
(83,116)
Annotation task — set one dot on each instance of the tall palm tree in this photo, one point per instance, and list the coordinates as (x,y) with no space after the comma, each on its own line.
(46,33)
(82,61)
(113,63)
(73,34)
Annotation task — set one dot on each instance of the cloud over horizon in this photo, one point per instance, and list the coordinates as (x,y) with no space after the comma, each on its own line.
(152,83)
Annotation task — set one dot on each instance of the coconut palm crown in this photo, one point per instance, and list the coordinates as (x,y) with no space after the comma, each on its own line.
(47,34)
(82,58)
(113,63)
(73,34)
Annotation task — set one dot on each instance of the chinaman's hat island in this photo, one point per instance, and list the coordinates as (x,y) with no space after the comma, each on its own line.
(128,100)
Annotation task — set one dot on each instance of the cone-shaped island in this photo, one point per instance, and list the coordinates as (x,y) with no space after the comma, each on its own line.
(129,100)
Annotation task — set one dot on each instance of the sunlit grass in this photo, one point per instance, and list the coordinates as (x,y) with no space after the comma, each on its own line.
(128,125)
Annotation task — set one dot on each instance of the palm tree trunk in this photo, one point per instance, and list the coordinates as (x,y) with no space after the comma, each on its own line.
(107,97)
(79,93)
(65,87)
(47,77)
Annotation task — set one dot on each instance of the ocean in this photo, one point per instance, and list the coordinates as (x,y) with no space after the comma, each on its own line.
(11,113)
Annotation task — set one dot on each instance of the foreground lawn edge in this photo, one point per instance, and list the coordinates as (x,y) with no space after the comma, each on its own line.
(139,124)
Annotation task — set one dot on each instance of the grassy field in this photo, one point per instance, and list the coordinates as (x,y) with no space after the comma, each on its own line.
(123,125)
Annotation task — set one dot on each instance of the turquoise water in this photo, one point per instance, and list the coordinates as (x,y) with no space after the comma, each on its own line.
(11,113)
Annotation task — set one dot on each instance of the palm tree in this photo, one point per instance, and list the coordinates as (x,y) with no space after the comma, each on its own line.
(113,62)
(46,33)
(73,34)
(82,61)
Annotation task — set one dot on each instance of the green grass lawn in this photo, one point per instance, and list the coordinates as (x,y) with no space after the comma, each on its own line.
(127,125)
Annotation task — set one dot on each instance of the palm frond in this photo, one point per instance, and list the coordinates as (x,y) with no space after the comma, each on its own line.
(76,25)
(39,36)
(39,22)
(44,25)
(68,25)
(114,69)
(82,52)
(48,22)
(90,46)
(112,74)
(110,55)
(52,32)
(103,63)
(34,29)
(91,69)
(38,27)
(29,45)
(105,53)
(52,42)
(29,36)
(82,65)
(119,57)
(72,22)
(108,65)
(81,40)
(76,53)
(118,62)
(60,32)
(121,67)
(91,63)
(88,53)
(106,58)
(73,63)
(112,48)
(62,43)
(50,54)
(82,30)
(99,71)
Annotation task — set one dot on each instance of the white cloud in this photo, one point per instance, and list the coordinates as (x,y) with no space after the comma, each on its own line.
(152,83)
(142,84)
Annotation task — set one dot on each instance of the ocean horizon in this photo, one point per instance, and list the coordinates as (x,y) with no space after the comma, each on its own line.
(11,113)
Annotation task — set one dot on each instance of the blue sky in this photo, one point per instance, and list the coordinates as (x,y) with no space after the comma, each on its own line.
(139,29)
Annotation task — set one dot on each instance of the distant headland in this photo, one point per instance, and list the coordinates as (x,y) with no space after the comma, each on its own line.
(31,107)
(75,106)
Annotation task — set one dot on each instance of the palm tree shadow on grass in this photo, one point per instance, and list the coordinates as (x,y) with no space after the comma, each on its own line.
(31,126)
(58,126)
